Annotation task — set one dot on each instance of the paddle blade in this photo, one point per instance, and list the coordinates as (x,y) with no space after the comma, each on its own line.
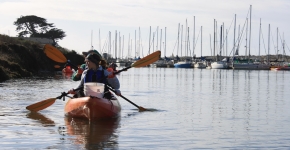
(41,105)
(54,54)
(147,60)
(56,66)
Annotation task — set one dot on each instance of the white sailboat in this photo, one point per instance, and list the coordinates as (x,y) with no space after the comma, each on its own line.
(201,63)
(219,64)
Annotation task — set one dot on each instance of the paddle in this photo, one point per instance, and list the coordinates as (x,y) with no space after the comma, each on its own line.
(149,59)
(46,103)
(54,54)
(57,56)
(56,66)
(139,107)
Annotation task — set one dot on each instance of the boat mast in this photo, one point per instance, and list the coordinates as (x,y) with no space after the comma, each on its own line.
(250,31)
(157,37)
(223,46)
(247,39)
(187,42)
(283,53)
(149,39)
(92,40)
(165,42)
(181,40)
(139,50)
(277,43)
(260,37)
(99,40)
(160,39)
(193,41)
(214,32)
(129,47)
(120,50)
(185,38)
(268,45)
(234,40)
(227,42)
(238,40)
(178,38)
(221,38)
(210,44)
(201,42)
(116,35)
(135,45)
(123,46)
(153,41)
(109,44)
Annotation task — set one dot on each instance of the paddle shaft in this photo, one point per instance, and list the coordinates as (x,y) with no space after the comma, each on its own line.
(130,101)
(71,64)
(124,69)
(123,97)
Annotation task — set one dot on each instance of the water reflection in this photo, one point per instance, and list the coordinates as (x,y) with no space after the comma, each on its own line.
(67,75)
(40,118)
(93,134)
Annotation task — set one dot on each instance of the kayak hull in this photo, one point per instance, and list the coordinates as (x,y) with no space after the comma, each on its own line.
(93,108)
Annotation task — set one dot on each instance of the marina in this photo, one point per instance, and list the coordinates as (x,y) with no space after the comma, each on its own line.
(206,75)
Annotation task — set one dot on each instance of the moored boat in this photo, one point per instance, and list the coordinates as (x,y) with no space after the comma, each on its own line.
(219,65)
(200,65)
(183,64)
(93,108)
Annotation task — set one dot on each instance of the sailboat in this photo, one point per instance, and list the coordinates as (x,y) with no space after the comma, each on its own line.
(201,63)
(250,64)
(219,64)
(186,63)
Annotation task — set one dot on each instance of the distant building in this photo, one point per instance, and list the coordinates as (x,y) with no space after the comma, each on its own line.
(39,40)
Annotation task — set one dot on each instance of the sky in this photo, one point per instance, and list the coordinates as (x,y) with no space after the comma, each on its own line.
(88,23)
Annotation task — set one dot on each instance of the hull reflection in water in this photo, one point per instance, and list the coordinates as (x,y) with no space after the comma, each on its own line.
(93,134)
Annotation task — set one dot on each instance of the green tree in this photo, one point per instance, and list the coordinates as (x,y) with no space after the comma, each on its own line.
(34,26)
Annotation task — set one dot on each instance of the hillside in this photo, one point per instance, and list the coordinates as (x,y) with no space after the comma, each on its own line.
(21,58)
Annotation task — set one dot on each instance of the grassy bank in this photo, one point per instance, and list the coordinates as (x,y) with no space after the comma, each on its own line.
(23,58)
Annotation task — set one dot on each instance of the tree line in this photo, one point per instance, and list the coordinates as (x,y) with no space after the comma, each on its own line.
(34,26)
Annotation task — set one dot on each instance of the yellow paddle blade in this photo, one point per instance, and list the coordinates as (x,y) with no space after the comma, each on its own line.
(54,54)
(147,60)
(41,105)
(56,66)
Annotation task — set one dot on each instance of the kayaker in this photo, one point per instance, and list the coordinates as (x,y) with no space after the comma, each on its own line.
(113,66)
(96,73)
(76,76)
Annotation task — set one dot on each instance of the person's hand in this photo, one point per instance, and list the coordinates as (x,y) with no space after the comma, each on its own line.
(79,71)
(111,73)
(71,91)
(118,92)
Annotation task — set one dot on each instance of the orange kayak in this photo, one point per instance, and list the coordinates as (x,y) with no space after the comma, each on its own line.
(93,108)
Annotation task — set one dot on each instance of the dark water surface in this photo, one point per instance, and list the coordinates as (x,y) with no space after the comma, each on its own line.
(194,109)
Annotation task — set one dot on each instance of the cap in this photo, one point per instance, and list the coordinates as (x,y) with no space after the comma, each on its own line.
(93,57)
(113,65)
(92,51)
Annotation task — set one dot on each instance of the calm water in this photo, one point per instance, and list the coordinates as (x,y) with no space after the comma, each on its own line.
(195,109)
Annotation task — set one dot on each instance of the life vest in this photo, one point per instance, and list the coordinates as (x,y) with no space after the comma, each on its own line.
(95,76)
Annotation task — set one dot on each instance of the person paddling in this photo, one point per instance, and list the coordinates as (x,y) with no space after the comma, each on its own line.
(96,72)
(76,76)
